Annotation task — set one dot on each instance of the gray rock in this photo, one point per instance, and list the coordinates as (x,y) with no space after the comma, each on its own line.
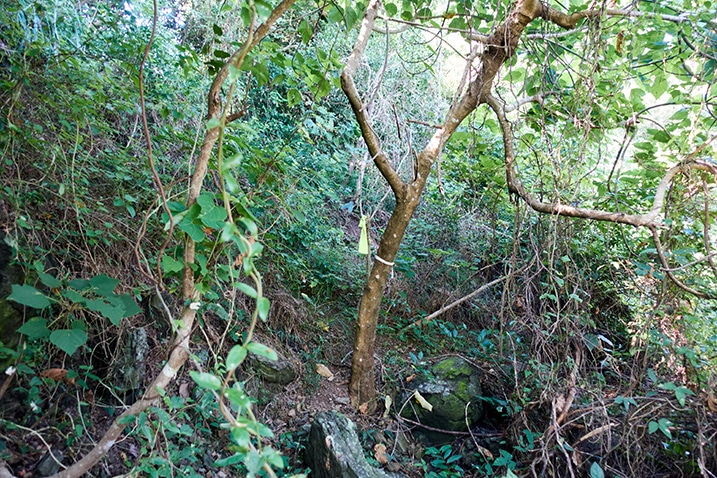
(280,371)
(334,450)
(48,465)
(452,384)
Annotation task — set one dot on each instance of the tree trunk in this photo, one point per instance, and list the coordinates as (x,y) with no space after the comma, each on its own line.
(362,388)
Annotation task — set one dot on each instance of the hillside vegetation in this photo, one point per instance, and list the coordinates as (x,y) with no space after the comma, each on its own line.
(191,189)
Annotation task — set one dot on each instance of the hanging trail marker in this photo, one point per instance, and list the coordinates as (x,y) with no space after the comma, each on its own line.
(363,240)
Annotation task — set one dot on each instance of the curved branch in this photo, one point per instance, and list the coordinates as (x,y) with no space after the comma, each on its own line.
(347,84)
(652,218)
(666,269)
(570,21)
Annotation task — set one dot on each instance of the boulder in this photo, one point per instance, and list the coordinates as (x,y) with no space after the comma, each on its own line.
(450,385)
(334,451)
(280,371)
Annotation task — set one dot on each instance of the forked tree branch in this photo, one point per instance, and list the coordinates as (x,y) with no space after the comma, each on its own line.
(652,219)
(347,84)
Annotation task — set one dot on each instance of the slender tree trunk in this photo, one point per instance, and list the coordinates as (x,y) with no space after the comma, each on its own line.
(362,387)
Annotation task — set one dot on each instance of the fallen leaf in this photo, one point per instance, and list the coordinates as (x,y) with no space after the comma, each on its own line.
(58,375)
(387,402)
(184,389)
(485,452)
(712,402)
(410,377)
(324,371)
(379,452)
(363,408)
(422,401)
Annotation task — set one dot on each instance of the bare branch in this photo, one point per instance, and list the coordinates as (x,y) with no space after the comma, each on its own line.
(666,269)
(570,21)
(347,84)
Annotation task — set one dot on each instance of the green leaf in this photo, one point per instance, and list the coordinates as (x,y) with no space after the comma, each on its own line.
(68,340)
(105,285)
(206,380)
(111,308)
(652,427)
(262,305)
(305,31)
(246,289)
(391,9)
(241,437)
(130,306)
(235,357)
(35,328)
(232,459)
(170,264)
(262,350)
(596,471)
(211,215)
(293,97)
(74,296)
(29,296)
(681,392)
(50,281)
(79,284)
(664,424)
(238,396)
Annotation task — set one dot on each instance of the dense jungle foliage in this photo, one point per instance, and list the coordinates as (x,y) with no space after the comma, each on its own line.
(188,190)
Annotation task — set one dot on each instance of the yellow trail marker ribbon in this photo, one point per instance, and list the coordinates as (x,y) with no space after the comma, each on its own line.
(363,240)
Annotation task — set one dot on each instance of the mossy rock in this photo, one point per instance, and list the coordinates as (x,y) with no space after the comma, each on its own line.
(452,383)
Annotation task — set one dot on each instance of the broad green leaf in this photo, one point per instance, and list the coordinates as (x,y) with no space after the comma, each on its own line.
(170,264)
(596,471)
(305,31)
(206,380)
(111,308)
(235,357)
(130,306)
(246,289)
(35,328)
(105,285)
(391,9)
(49,280)
(232,459)
(238,396)
(652,427)
(74,296)
(79,284)
(262,305)
(664,424)
(681,392)
(241,437)
(293,97)
(262,350)
(68,340)
(29,296)
(211,215)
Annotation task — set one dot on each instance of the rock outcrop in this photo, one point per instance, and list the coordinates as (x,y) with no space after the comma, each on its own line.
(334,450)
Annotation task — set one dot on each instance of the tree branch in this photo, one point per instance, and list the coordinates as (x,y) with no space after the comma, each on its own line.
(570,21)
(666,269)
(349,87)
(652,218)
